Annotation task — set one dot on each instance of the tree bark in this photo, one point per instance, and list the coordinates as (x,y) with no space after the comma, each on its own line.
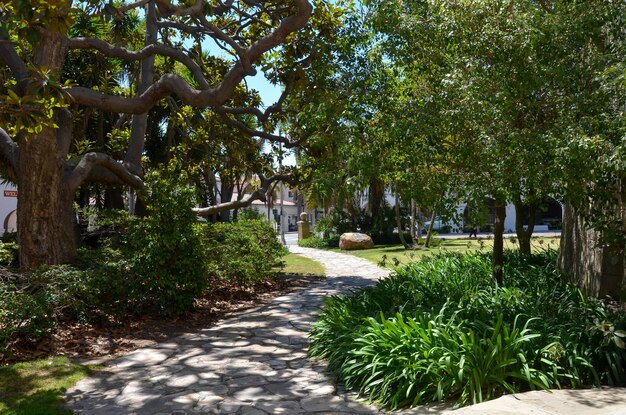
(415,227)
(597,270)
(399,221)
(139,124)
(44,204)
(429,234)
(523,236)
(498,240)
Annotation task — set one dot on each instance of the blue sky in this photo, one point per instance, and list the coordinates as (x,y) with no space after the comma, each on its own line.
(269,93)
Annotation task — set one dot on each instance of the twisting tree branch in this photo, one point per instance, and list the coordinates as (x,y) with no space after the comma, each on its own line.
(172,84)
(119,52)
(10,58)
(83,171)
(287,143)
(259,194)
(263,116)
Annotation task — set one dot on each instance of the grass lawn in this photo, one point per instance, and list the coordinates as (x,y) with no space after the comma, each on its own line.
(394,255)
(36,387)
(299,265)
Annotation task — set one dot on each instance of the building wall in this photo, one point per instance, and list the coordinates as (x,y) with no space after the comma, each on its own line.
(8,208)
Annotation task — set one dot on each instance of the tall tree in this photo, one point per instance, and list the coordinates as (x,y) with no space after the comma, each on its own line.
(37,104)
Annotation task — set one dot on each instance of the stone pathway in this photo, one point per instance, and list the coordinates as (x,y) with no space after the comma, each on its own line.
(252,363)
(256,363)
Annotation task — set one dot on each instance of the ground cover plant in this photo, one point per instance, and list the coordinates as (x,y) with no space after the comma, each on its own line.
(442,329)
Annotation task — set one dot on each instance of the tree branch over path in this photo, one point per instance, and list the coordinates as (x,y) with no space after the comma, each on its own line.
(259,194)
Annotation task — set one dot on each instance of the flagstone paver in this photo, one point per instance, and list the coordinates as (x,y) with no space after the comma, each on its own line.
(252,363)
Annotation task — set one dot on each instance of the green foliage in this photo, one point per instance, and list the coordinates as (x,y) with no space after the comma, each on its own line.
(168,267)
(9,253)
(313,242)
(86,291)
(441,329)
(249,213)
(22,313)
(242,252)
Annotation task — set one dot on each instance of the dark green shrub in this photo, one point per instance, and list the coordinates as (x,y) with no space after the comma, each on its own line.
(249,213)
(319,243)
(166,251)
(22,313)
(242,252)
(442,329)
(313,242)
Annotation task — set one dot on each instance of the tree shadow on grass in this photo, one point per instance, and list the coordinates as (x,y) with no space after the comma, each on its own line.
(37,387)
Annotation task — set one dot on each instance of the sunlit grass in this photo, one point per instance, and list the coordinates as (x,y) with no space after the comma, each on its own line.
(36,387)
(299,265)
(394,255)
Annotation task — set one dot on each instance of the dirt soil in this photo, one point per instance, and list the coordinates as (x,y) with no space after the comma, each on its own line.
(97,343)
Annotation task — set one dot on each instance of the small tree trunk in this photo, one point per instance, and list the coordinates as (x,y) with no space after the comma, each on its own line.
(523,236)
(226,195)
(498,240)
(399,221)
(429,234)
(413,223)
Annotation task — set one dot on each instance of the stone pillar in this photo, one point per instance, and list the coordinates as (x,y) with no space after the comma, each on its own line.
(304,227)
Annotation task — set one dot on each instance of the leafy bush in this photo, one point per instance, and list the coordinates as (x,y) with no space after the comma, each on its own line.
(242,252)
(442,329)
(166,251)
(249,213)
(313,242)
(21,312)
(9,253)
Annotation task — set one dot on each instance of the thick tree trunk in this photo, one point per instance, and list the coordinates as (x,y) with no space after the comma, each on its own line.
(598,270)
(44,206)
(45,226)
(498,240)
(523,236)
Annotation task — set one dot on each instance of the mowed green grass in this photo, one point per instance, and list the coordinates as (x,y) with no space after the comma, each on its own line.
(299,265)
(390,256)
(36,387)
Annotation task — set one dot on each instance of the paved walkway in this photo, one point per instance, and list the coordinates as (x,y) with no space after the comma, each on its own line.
(253,363)
(256,363)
